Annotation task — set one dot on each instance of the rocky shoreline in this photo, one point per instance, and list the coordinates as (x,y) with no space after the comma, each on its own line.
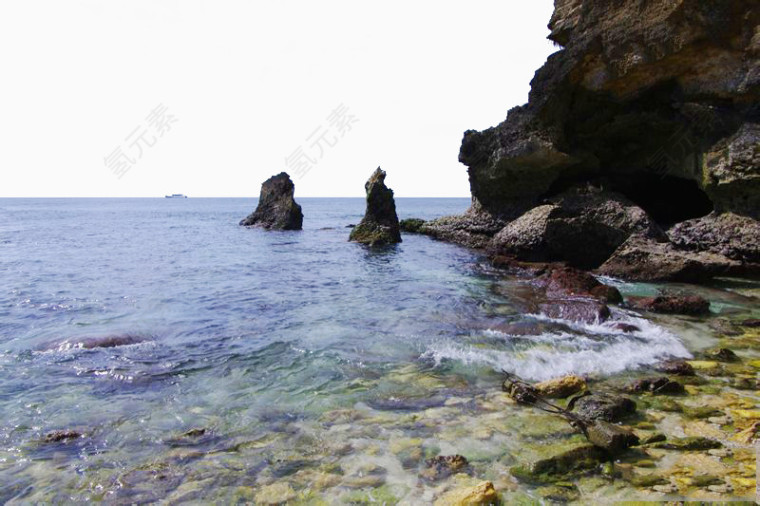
(638,153)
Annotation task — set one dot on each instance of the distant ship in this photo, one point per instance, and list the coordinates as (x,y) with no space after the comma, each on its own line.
(176,196)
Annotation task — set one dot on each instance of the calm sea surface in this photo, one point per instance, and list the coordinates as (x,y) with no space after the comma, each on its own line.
(253,336)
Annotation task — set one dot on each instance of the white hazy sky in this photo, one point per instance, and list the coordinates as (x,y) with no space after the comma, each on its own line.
(246,83)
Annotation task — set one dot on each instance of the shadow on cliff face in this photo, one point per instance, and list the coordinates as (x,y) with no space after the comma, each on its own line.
(666,199)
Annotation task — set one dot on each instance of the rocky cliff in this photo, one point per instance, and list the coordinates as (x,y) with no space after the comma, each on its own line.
(653,100)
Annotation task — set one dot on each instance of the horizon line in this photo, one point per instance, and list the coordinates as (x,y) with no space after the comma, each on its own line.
(235,197)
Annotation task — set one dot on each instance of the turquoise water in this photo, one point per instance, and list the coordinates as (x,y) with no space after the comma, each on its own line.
(253,336)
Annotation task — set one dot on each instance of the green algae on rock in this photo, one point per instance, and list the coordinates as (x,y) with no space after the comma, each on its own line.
(411,225)
(380,224)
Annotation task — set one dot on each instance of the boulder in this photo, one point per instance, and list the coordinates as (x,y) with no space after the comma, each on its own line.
(612,438)
(641,259)
(575,310)
(472,229)
(582,226)
(411,225)
(671,304)
(579,458)
(565,281)
(675,367)
(607,407)
(380,224)
(731,167)
(661,385)
(560,388)
(731,235)
(277,210)
(511,265)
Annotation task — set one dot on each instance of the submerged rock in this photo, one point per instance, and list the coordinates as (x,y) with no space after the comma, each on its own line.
(442,467)
(612,438)
(582,457)
(660,385)
(676,367)
(641,259)
(576,310)
(720,355)
(688,444)
(582,226)
(671,304)
(58,436)
(90,343)
(607,407)
(562,281)
(277,210)
(380,224)
(626,327)
(560,388)
(482,494)
(276,493)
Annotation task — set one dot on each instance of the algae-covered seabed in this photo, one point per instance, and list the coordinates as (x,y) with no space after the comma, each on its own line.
(365,452)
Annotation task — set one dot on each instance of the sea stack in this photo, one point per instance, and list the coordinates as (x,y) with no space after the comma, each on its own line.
(277,210)
(380,223)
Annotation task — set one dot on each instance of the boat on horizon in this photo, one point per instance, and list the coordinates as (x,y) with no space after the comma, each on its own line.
(176,196)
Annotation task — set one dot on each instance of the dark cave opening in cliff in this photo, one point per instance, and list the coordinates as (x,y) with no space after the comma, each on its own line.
(667,199)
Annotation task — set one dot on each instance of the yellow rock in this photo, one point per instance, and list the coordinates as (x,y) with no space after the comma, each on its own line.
(749,435)
(315,479)
(399,445)
(752,414)
(746,483)
(704,365)
(559,388)
(481,494)
(277,493)
(755,364)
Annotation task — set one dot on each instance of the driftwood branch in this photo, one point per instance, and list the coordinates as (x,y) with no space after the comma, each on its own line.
(610,437)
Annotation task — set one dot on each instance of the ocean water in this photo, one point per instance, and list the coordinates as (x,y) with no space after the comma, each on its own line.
(247,334)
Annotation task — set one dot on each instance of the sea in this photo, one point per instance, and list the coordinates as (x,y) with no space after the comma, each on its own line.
(242,359)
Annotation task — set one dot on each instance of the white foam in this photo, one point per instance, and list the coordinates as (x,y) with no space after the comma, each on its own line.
(597,349)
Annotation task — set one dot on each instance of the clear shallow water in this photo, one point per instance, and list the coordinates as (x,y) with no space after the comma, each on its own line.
(245,330)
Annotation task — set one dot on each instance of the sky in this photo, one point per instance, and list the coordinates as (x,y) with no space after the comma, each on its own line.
(140,98)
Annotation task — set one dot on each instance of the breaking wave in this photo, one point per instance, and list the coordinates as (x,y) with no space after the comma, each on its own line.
(574,348)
